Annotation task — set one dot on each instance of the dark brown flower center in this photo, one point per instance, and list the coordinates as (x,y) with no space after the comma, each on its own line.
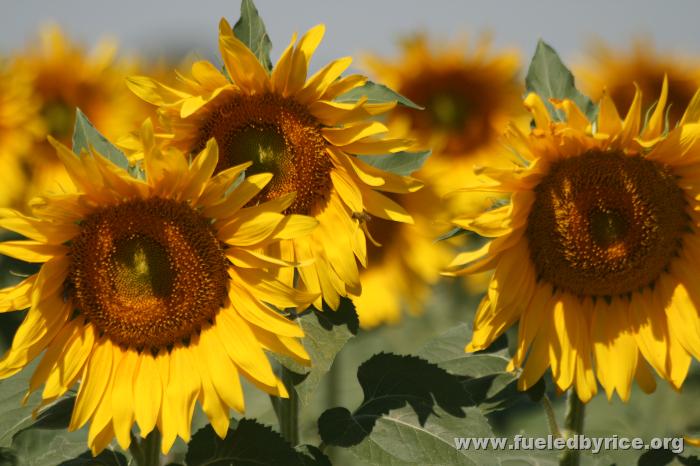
(279,136)
(458,102)
(148,273)
(605,224)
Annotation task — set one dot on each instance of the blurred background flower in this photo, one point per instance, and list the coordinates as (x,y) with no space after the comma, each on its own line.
(157,37)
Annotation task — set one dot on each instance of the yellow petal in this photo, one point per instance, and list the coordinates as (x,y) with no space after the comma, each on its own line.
(208,76)
(243,348)
(123,395)
(154,92)
(148,390)
(608,118)
(240,196)
(224,374)
(318,84)
(280,73)
(271,291)
(243,66)
(201,170)
(98,372)
(35,229)
(18,296)
(381,206)
(534,104)
(183,393)
(302,57)
(352,133)
(655,125)
(32,251)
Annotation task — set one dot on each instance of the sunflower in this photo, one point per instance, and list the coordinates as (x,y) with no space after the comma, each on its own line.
(596,253)
(152,294)
(469,98)
(64,76)
(404,262)
(291,126)
(615,69)
(20,128)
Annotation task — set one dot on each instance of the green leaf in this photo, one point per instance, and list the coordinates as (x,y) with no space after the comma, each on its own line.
(400,163)
(399,438)
(105,458)
(86,135)
(15,416)
(325,334)
(250,30)
(456,231)
(548,77)
(55,416)
(40,447)
(376,94)
(7,457)
(483,375)
(251,444)
(391,382)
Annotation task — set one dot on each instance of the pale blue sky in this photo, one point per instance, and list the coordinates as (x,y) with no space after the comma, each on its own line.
(156,26)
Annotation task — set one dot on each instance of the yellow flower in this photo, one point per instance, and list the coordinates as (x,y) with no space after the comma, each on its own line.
(469,98)
(20,128)
(596,253)
(402,271)
(64,76)
(288,124)
(613,70)
(152,294)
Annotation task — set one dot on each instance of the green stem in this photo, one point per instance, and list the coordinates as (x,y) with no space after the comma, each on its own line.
(573,425)
(146,452)
(287,409)
(551,417)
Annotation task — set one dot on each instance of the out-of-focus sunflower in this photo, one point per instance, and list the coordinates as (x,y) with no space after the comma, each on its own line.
(290,125)
(153,294)
(613,70)
(469,98)
(596,254)
(402,271)
(20,128)
(64,77)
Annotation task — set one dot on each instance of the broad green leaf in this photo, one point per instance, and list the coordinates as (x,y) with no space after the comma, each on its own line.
(548,77)
(391,382)
(250,443)
(54,416)
(85,135)
(483,375)
(325,334)
(105,458)
(399,438)
(400,163)
(41,447)
(250,30)
(376,94)
(15,416)
(7,457)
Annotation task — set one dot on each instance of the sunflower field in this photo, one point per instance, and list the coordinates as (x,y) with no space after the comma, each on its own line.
(452,253)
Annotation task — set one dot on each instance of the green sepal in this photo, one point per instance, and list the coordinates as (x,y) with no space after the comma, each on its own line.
(548,77)
(399,163)
(250,29)
(376,94)
(85,136)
